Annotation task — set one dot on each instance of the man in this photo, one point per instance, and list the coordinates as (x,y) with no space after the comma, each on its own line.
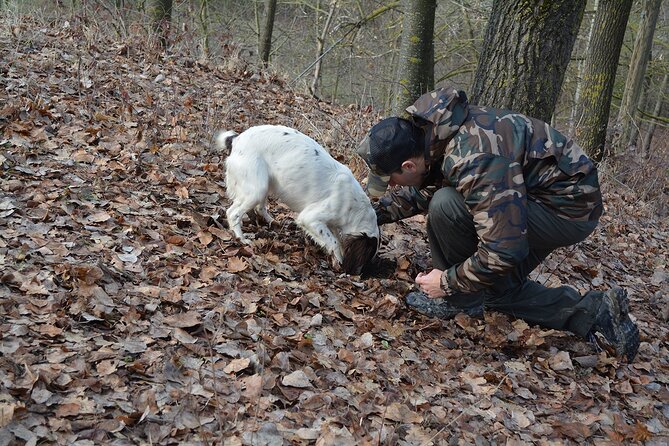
(501,191)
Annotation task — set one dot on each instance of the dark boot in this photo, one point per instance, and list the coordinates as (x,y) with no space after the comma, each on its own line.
(615,326)
(440,308)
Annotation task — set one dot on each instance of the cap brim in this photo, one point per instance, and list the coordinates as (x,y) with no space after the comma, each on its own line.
(377,184)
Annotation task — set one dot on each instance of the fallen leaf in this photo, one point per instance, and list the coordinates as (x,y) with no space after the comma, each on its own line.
(183,320)
(296,379)
(236,264)
(237,365)
(560,361)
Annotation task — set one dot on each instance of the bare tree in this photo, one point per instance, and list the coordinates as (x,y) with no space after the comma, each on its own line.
(268,26)
(599,76)
(657,111)
(313,88)
(581,70)
(160,13)
(525,53)
(416,63)
(643,44)
(203,18)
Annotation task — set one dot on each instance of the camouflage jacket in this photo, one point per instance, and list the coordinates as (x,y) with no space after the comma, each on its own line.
(497,160)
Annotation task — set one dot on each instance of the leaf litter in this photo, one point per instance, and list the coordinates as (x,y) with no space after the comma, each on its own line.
(129,315)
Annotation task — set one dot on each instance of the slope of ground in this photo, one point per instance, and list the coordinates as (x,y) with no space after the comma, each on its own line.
(129,315)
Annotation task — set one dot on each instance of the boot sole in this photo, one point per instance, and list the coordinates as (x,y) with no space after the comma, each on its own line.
(625,330)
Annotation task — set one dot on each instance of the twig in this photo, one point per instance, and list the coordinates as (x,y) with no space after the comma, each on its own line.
(355,26)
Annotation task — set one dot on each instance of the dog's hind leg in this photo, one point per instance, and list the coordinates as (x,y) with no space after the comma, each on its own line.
(261,210)
(310,220)
(234,214)
(247,185)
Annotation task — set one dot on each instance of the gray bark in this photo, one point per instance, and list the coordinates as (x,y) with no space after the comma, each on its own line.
(526,50)
(657,111)
(627,115)
(416,64)
(599,75)
(267,29)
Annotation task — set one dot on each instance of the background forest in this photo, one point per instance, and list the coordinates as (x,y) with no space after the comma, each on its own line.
(350,53)
(130,315)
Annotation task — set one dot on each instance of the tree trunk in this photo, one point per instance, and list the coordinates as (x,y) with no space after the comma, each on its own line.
(160,13)
(525,53)
(627,115)
(416,64)
(600,73)
(203,17)
(268,27)
(657,111)
(313,88)
(579,76)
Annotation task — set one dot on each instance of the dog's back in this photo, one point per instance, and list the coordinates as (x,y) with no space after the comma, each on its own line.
(280,161)
(283,162)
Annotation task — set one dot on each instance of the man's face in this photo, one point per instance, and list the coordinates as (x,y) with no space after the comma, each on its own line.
(412,173)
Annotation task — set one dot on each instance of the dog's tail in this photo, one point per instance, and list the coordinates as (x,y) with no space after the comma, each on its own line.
(224,140)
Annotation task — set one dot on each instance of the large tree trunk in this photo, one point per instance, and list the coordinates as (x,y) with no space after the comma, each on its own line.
(268,27)
(160,13)
(627,115)
(525,53)
(600,73)
(416,64)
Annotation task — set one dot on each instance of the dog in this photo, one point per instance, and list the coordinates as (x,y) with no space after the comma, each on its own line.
(331,206)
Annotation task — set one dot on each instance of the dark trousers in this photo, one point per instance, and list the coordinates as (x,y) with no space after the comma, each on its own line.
(453,239)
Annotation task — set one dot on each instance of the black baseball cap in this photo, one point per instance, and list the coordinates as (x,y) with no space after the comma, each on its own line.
(387,145)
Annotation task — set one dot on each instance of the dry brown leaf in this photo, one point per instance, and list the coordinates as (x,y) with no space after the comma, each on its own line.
(252,387)
(237,365)
(296,379)
(400,413)
(183,320)
(7,407)
(561,361)
(205,237)
(236,264)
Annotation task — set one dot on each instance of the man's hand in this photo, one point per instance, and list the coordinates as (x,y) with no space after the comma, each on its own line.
(382,216)
(430,283)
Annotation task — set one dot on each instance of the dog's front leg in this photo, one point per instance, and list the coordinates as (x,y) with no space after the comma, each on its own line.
(311,223)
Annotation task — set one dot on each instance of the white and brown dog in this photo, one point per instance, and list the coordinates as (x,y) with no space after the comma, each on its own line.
(278,161)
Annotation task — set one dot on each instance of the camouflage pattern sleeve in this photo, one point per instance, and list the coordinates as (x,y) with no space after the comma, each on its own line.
(494,192)
(402,203)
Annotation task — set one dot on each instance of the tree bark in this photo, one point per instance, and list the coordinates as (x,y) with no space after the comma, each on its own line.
(160,13)
(203,17)
(525,53)
(268,27)
(599,75)
(627,115)
(416,64)
(579,77)
(657,111)
(313,88)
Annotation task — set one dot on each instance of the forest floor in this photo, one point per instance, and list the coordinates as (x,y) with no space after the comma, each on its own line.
(129,314)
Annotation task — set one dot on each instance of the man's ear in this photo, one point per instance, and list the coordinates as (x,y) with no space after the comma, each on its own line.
(409,166)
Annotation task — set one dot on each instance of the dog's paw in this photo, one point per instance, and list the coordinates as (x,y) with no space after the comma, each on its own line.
(244,240)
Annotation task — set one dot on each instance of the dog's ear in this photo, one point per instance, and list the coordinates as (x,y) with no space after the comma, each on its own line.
(359,250)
